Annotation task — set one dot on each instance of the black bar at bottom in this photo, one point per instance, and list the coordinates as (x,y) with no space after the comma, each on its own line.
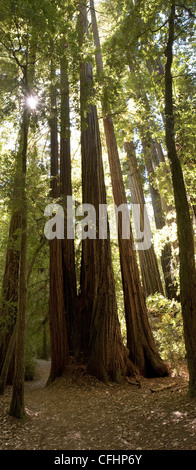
(86,459)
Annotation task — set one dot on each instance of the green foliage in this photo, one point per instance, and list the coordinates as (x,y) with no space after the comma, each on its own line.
(30,365)
(133,44)
(166,321)
(119,289)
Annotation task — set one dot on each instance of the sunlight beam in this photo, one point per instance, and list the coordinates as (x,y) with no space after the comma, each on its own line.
(32,102)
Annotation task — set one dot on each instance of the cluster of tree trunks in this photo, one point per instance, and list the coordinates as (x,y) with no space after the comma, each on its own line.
(86,326)
(151,279)
(89,322)
(97,339)
(140,341)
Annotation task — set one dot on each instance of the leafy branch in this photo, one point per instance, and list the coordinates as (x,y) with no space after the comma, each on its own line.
(189,11)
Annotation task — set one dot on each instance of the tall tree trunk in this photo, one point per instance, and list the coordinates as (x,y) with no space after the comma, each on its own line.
(166,254)
(101,339)
(184,225)
(140,341)
(161,156)
(148,262)
(7,361)
(69,274)
(151,156)
(8,311)
(17,402)
(58,327)
(171,259)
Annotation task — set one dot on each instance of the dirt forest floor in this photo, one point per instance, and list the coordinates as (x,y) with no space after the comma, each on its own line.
(80,413)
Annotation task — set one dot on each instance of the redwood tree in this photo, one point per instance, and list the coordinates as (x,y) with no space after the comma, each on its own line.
(159,216)
(17,402)
(101,340)
(69,274)
(148,262)
(8,310)
(140,341)
(184,224)
(58,326)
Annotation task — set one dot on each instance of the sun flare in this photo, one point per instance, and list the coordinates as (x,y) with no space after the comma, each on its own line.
(32,102)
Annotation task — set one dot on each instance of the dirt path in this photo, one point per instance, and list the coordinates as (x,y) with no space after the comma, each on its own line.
(84,414)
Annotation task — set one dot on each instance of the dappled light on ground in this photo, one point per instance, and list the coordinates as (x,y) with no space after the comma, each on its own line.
(81,413)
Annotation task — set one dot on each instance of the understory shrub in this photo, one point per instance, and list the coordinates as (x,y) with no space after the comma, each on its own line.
(167,325)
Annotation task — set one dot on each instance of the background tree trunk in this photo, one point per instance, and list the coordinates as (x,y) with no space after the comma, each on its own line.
(148,262)
(69,274)
(184,225)
(166,255)
(150,156)
(58,327)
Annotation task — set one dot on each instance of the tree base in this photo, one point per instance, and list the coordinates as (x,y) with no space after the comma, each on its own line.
(17,410)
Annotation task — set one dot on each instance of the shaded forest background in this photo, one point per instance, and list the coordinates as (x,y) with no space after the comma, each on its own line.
(97,102)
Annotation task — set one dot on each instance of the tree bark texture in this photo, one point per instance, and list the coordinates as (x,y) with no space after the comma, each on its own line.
(7,361)
(8,311)
(17,402)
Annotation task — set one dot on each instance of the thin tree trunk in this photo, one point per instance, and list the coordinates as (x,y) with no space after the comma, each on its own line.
(58,327)
(7,361)
(148,262)
(161,156)
(140,341)
(69,274)
(11,344)
(166,254)
(184,225)
(101,337)
(8,312)
(150,155)
(17,402)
